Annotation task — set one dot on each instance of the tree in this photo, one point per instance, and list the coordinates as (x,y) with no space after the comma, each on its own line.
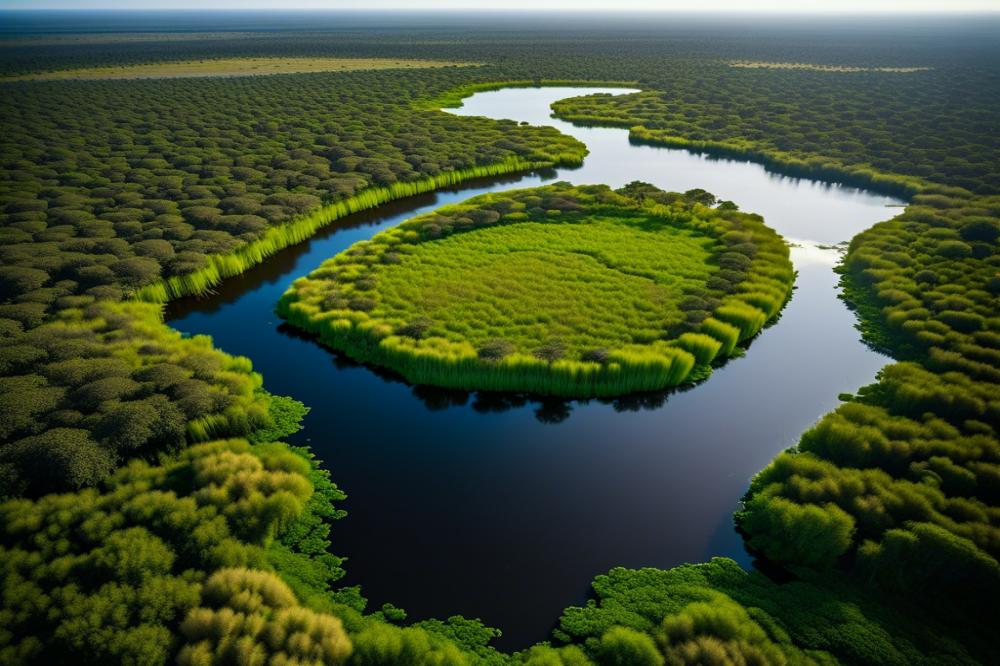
(56,457)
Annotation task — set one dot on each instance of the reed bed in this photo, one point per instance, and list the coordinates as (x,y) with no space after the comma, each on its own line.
(222,266)
(557,290)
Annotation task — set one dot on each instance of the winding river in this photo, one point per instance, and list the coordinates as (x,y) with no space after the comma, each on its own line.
(504,508)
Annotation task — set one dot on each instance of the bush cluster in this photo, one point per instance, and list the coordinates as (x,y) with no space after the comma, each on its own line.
(119,574)
(98,385)
(718,613)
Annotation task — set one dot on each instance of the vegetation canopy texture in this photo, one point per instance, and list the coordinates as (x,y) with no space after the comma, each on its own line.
(148,516)
(563,290)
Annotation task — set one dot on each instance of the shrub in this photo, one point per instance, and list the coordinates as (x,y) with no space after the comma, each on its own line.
(495,350)
(621,646)
(551,351)
(792,533)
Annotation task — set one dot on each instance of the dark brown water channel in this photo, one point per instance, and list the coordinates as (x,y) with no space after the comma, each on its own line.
(504,508)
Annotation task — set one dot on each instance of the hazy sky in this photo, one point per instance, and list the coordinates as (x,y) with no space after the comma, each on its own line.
(612,5)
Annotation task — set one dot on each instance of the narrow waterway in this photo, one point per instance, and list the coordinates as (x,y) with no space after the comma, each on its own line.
(504,508)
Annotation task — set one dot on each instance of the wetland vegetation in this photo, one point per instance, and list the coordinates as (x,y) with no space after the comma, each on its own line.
(573,291)
(151,517)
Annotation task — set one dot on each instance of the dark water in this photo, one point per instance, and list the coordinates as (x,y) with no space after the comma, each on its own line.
(504,509)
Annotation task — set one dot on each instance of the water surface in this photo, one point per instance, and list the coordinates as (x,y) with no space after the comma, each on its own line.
(504,508)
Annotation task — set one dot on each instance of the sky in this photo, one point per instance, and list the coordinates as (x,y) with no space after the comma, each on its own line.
(794,6)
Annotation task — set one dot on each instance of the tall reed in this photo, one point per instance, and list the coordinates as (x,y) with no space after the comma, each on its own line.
(222,266)
(451,364)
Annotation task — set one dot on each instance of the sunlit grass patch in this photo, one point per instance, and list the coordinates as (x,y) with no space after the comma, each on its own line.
(573,291)
(759,64)
(227,67)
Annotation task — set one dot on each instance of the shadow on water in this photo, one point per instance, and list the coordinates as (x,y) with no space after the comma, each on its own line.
(547,409)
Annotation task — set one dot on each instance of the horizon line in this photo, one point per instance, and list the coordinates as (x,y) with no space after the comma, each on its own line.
(498,10)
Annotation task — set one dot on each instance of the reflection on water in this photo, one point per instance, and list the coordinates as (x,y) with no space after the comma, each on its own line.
(504,507)
(547,409)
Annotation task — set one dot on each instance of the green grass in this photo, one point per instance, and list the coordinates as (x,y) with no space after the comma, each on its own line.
(555,290)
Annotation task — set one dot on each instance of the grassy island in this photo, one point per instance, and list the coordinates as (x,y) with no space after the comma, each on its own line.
(560,290)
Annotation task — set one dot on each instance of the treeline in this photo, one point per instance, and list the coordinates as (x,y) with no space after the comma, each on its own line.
(829,123)
(562,290)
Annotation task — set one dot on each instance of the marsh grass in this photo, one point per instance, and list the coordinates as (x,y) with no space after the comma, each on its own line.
(557,290)
(222,266)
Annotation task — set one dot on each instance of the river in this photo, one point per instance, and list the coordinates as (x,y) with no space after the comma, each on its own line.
(504,508)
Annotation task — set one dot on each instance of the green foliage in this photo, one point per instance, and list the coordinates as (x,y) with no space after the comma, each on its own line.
(791,533)
(567,290)
(252,617)
(286,416)
(308,534)
(97,386)
(938,306)
(109,575)
(719,613)
(470,635)
(925,559)
(120,187)
(722,631)
(621,646)
(166,195)
(385,644)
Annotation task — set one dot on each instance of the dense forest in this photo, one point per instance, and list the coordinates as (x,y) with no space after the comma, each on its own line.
(559,290)
(150,515)
(97,205)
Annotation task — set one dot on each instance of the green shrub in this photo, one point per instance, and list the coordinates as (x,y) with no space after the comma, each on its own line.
(621,646)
